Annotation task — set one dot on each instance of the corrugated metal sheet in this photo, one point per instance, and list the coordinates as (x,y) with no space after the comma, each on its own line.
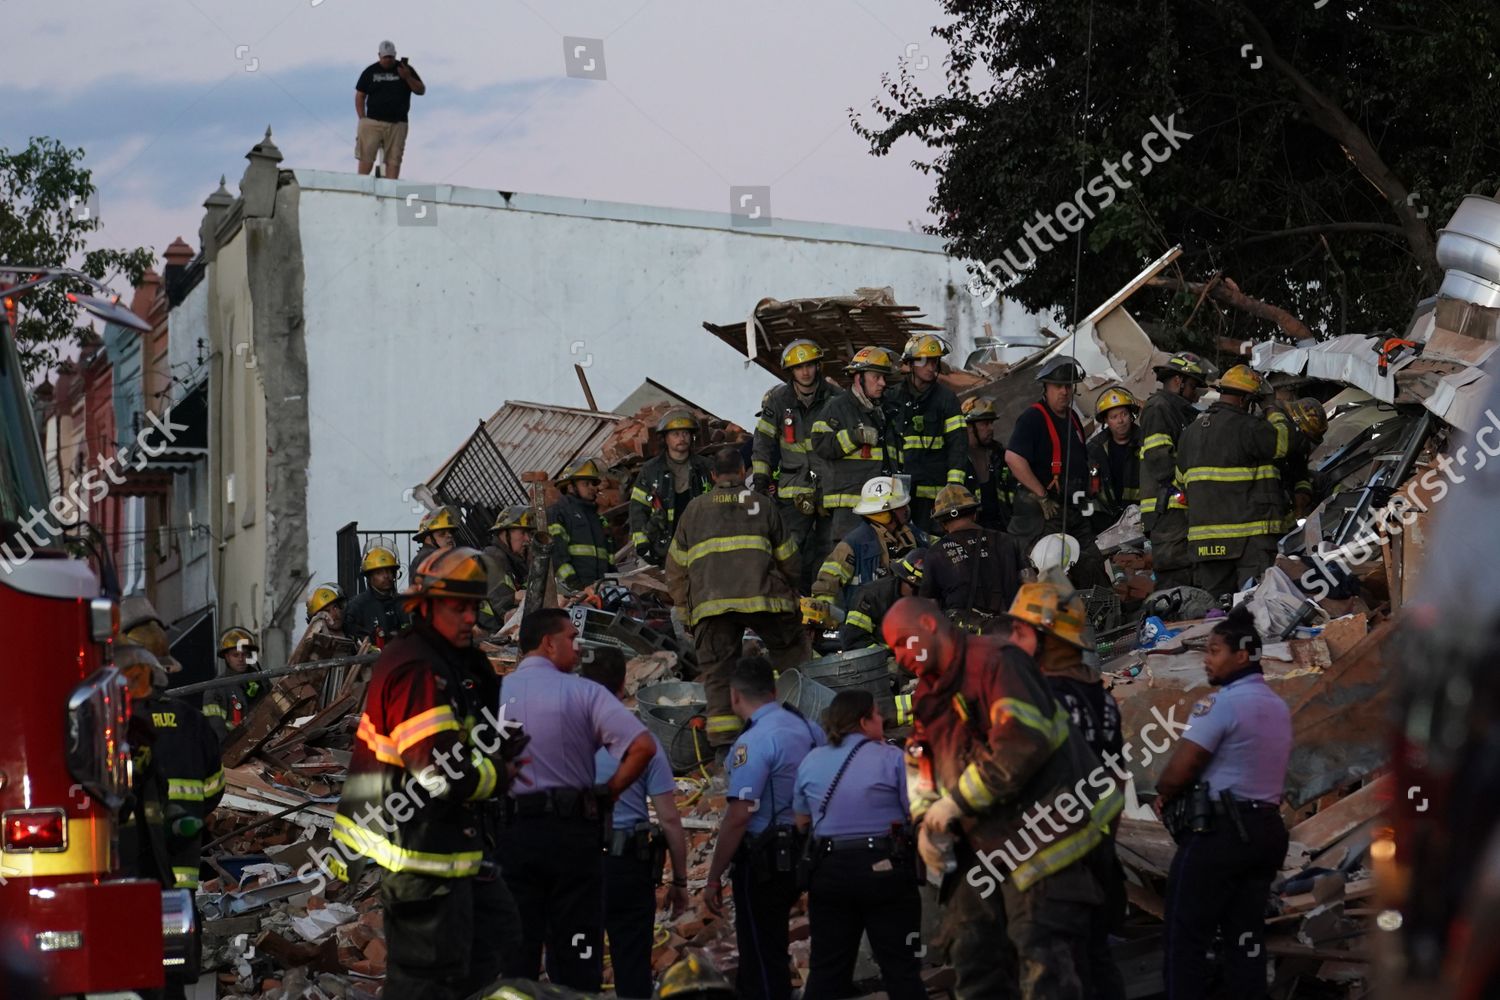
(536,437)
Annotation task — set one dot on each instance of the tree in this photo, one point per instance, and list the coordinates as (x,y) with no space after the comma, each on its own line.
(45,220)
(1327,141)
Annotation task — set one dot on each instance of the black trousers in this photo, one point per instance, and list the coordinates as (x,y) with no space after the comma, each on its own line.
(555,870)
(812,535)
(1218,883)
(850,898)
(762,919)
(630,922)
(447,936)
(1224,576)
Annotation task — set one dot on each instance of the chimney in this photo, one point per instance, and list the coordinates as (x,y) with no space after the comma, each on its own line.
(145,295)
(177,256)
(1468,250)
(258,185)
(215,206)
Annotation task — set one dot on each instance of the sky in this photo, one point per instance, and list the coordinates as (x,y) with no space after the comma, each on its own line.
(166,95)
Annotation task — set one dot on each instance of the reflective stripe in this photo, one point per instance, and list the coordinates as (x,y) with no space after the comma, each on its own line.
(926,492)
(638,539)
(566,572)
(185,877)
(975,793)
(763,426)
(589,552)
(487,776)
(953,423)
(859,619)
(792,491)
(422,726)
(215,709)
(383,748)
(840,500)
(389,856)
(640,496)
(1156,441)
(915,442)
(785,550)
(746,604)
(903,710)
(1228,473)
(822,427)
(213,784)
(1054,729)
(1247,529)
(185,790)
(714,546)
(956,476)
(1148,505)
(1059,855)
(760,468)
(557,530)
(800,447)
(837,570)
(724,724)
(1283,434)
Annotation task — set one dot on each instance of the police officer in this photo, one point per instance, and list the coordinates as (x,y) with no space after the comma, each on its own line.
(1226,468)
(757,832)
(885,535)
(861,628)
(1049,460)
(376,613)
(998,758)
(929,425)
(552,844)
(1115,455)
(854,437)
(783,453)
(637,847)
(582,549)
(437,530)
(1231,840)
(972,572)
(225,708)
(851,799)
(1163,513)
(665,485)
(420,779)
(509,563)
(985,472)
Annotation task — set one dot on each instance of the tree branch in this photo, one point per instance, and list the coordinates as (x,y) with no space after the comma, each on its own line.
(1222,289)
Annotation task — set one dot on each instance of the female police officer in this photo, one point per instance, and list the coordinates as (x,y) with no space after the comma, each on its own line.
(852,793)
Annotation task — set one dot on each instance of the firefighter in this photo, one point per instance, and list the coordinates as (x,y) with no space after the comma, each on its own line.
(665,485)
(972,572)
(694,978)
(1163,513)
(1226,468)
(861,628)
(509,564)
(866,553)
(758,833)
(1004,755)
(429,755)
(1230,836)
(1049,622)
(437,530)
(1115,455)
(985,472)
(139,623)
(852,436)
(1308,416)
(783,454)
(556,814)
(325,637)
(584,554)
(927,421)
(732,566)
(226,707)
(1049,460)
(376,613)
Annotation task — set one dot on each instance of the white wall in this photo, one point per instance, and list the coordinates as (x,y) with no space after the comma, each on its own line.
(415,333)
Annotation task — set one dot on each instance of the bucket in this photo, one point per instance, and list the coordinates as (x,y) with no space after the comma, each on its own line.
(672,694)
(856,668)
(807,696)
(672,726)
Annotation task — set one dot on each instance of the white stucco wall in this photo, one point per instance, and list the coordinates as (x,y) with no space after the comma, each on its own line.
(416,332)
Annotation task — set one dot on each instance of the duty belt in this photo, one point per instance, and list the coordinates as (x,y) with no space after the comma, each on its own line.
(560,803)
(833,845)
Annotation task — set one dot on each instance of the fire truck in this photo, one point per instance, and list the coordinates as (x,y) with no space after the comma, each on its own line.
(70,924)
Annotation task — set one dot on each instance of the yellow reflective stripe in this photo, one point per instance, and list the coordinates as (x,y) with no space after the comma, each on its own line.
(750,605)
(185,877)
(903,709)
(389,856)
(1055,857)
(953,423)
(801,447)
(763,426)
(845,441)
(723,724)
(792,491)
(1247,529)
(566,572)
(1302,486)
(760,468)
(1228,473)
(974,791)
(837,570)
(917,442)
(487,776)
(859,619)
(714,546)
(185,790)
(1148,505)
(822,427)
(1054,729)
(589,551)
(1175,502)
(1283,434)
(423,726)
(785,550)
(926,492)
(213,708)
(556,530)
(956,476)
(213,784)
(638,538)
(1156,441)
(640,496)
(840,499)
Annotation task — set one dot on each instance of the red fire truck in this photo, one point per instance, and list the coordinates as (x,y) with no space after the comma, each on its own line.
(68,921)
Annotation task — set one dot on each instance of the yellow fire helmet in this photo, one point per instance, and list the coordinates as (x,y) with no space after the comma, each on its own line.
(1055,609)
(800,352)
(459,572)
(924,345)
(585,469)
(379,557)
(322,596)
(142,670)
(871,359)
(1185,363)
(1115,396)
(881,494)
(236,638)
(1310,417)
(976,408)
(816,612)
(953,500)
(694,978)
(1241,379)
(517,515)
(677,420)
(442,519)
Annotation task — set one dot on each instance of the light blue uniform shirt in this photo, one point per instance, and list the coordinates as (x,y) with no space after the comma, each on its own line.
(870,797)
(568,717)
(1248,729)
(763,763)
(630,807)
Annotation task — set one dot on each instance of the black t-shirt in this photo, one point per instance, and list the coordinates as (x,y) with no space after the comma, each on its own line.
(1119,456)
(387,97)
(1031,441)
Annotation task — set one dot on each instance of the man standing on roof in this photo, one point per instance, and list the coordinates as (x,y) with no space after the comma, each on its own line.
(985,473)
(382,100)
(583,552)
(783,456)
(1049,459)
(1115,455)
(375,613)
(929,424)
(854,437)
(1163,513)
(665,485)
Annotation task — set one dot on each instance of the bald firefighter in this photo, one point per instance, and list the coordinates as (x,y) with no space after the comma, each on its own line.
(928,424)
(375,613)
(1163,513)
(783,458)
(733,566)
(972,572)
(437,530)
(583,550)
(866,554)
(226,707)
(1115,455)
(430,758)
(665,485)
(1227,470)
(854,437)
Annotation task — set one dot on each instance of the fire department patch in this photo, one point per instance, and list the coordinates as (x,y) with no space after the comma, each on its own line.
(1204,704)
(741,754)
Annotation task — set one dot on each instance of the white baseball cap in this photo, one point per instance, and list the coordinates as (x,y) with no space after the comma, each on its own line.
(387,48)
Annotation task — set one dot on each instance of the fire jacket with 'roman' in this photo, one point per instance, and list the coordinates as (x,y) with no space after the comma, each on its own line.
(420,767)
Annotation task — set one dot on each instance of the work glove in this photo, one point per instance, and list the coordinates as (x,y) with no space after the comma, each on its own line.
(940,814)
(1050,507)
(866,435)
(761,483)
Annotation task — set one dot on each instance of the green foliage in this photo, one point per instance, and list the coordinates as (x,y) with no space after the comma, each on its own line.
(1415,79)
(41,223)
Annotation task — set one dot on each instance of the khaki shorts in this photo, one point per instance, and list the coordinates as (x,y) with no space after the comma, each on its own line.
(373,136)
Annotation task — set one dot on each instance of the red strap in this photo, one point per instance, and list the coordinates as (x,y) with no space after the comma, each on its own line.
(1057,456)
